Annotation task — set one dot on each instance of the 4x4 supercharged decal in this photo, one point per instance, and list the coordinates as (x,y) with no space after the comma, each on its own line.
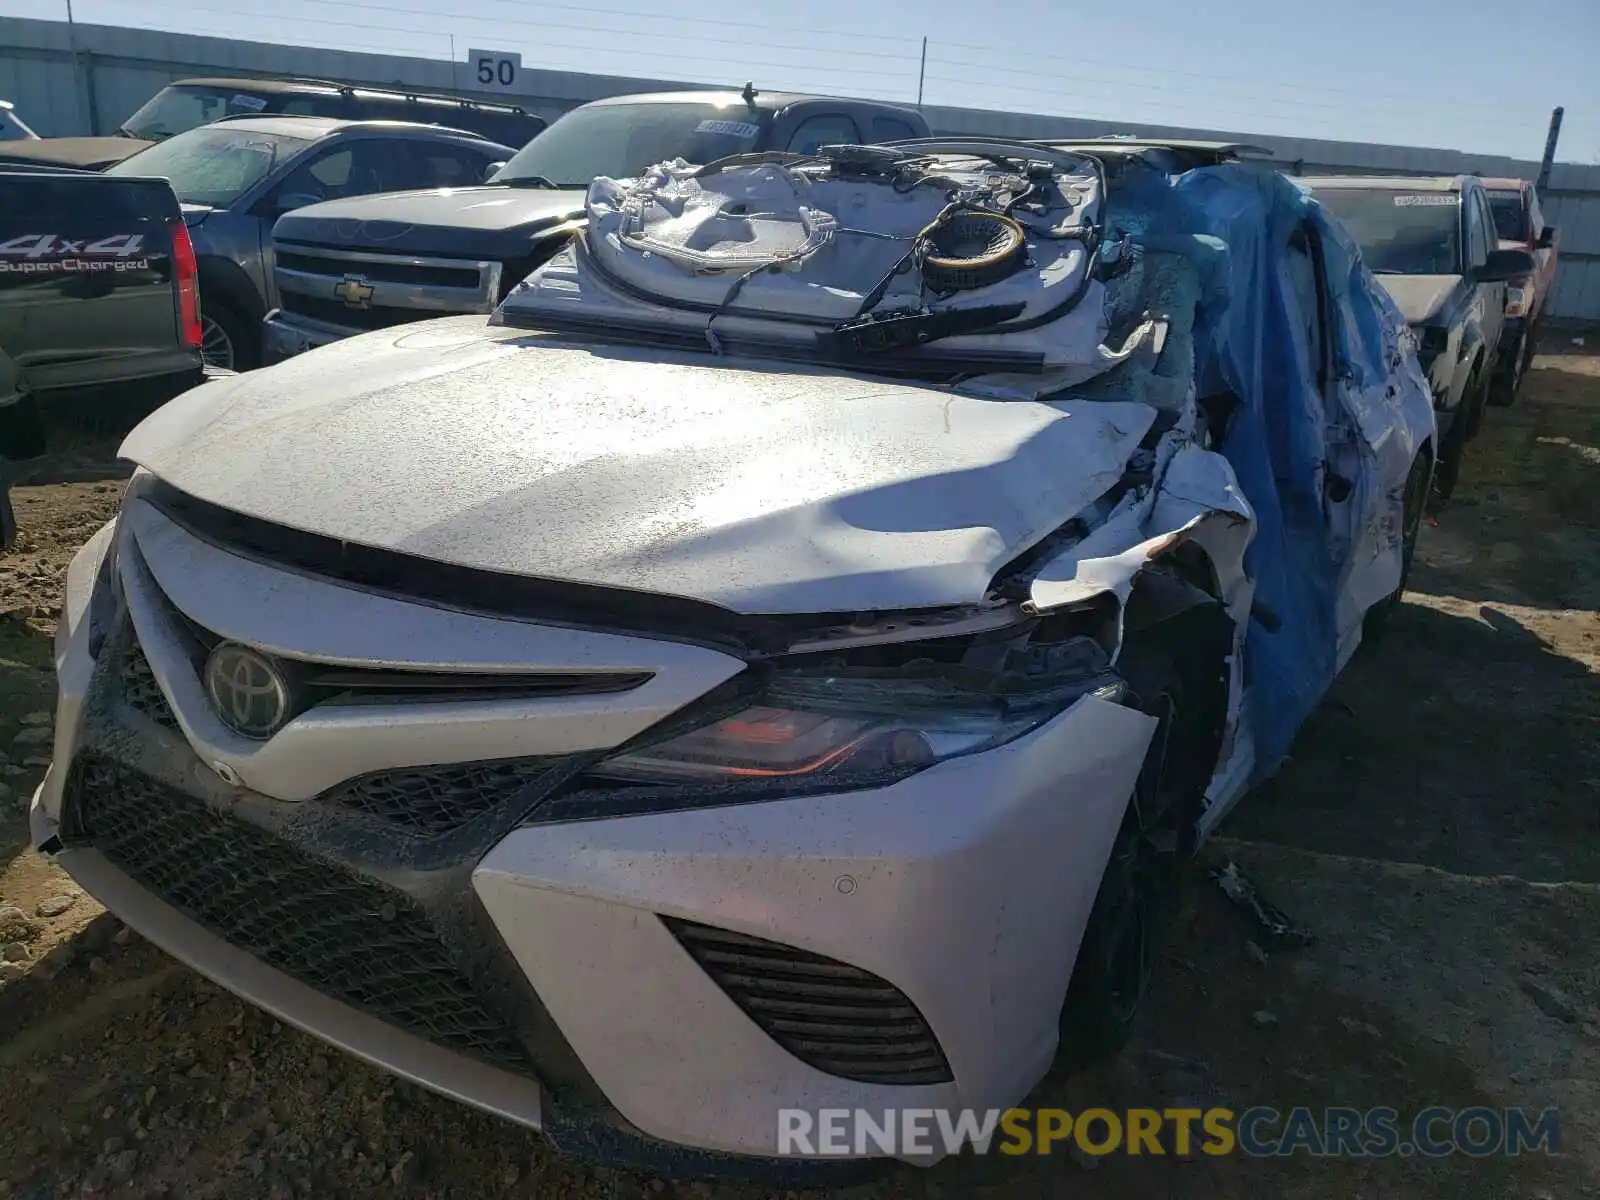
(44,253)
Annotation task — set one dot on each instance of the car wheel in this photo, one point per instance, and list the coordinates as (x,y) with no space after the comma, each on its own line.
(1503,394)
(1477,400)
(1413,506)
(1451,449)
(225,340)
(8,515)
(1138,895)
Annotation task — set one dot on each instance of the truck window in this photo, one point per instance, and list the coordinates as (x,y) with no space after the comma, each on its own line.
(621,140)
(1400,233)
(891,129)
(440,165)
(174,110)
(828,129)
(1510,220)
(313,106)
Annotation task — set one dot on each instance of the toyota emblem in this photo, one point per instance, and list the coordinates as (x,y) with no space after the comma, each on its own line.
(248,690)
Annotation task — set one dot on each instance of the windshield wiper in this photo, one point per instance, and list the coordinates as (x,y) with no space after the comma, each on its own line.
(904,331)
(534,181)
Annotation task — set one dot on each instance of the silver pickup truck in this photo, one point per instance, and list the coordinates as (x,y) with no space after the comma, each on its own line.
(349,266)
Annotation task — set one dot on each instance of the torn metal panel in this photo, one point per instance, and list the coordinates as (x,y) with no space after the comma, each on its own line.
(1198,498)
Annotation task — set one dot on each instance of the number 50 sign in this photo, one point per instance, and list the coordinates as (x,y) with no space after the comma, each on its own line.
(495,70)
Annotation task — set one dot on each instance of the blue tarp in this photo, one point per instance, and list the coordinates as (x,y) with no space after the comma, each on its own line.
(1235,223)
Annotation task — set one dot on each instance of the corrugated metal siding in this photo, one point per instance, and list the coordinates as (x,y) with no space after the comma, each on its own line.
(119,69)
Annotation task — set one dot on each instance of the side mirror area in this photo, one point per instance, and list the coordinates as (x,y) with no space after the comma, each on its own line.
(1502,265)
(1547,239)
(289,201)
(492,170)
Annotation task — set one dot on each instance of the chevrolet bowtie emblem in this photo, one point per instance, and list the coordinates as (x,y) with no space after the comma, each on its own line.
(355,291)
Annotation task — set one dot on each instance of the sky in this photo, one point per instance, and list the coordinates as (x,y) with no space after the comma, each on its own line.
(1475,75)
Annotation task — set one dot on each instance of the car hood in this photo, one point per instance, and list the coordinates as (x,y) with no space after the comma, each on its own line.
(94,153)
(475,222)
(756,487)
(1419,297)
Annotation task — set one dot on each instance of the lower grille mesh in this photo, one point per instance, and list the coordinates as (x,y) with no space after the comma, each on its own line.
(349,937)
(828,1014)
(435,800)
(139,686)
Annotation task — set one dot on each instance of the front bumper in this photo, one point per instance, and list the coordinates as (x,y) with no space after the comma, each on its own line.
(965,887)
(283,336)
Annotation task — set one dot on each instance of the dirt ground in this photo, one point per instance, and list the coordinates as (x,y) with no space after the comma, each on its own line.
(1437,829)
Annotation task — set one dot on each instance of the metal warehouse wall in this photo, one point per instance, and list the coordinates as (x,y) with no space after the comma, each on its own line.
(119,69)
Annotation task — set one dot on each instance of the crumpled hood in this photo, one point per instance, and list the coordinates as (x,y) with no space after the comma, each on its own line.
(487,221)
(1419,297)
(757,487)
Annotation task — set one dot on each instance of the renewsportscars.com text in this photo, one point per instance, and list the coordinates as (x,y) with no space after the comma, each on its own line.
(1259,1132)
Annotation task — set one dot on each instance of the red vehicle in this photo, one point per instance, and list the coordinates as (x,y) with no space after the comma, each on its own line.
(1520,225)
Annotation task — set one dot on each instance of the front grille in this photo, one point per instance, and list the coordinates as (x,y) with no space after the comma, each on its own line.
(139,687)
(828,1014)
(350,937)
(376,270)
(337,312)
(433,800)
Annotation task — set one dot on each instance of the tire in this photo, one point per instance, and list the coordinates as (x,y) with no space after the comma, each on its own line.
(1140,889)
(1507,382)
(8,515)
(228,340)
(1478,394)
(1376,623)
(1447,472)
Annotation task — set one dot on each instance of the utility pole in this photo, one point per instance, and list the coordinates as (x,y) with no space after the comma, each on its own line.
(922,71)
(455,82)
(1549,148)
(82,73)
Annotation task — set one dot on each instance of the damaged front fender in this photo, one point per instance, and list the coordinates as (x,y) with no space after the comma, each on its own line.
(1196,500)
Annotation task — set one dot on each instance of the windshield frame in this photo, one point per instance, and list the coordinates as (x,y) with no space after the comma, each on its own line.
(285,149)
(1374,261)
(532,161)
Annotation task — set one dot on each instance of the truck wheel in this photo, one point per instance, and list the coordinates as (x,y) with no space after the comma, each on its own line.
(1139,891)
(227,339)
(1448,471)
(1477,400)
(1376,623)
(1508,380)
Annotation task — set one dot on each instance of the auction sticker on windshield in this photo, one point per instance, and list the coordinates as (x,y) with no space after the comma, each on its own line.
(739,129)
(1437,199)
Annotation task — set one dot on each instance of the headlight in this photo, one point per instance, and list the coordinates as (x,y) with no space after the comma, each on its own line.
(1519,298)
(834,729)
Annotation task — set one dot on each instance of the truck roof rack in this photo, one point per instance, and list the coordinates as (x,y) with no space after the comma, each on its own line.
(350,89)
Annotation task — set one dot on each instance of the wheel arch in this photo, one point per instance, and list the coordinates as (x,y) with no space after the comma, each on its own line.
(225,282)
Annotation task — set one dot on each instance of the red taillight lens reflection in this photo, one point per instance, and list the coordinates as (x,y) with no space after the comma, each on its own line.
(186,271)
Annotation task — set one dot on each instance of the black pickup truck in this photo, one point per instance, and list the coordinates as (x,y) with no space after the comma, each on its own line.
(347,266)
(99,301)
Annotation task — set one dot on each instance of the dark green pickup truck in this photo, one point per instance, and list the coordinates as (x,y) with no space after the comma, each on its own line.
(99,301)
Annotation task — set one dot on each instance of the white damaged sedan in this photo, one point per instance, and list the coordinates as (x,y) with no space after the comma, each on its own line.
(778,662)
